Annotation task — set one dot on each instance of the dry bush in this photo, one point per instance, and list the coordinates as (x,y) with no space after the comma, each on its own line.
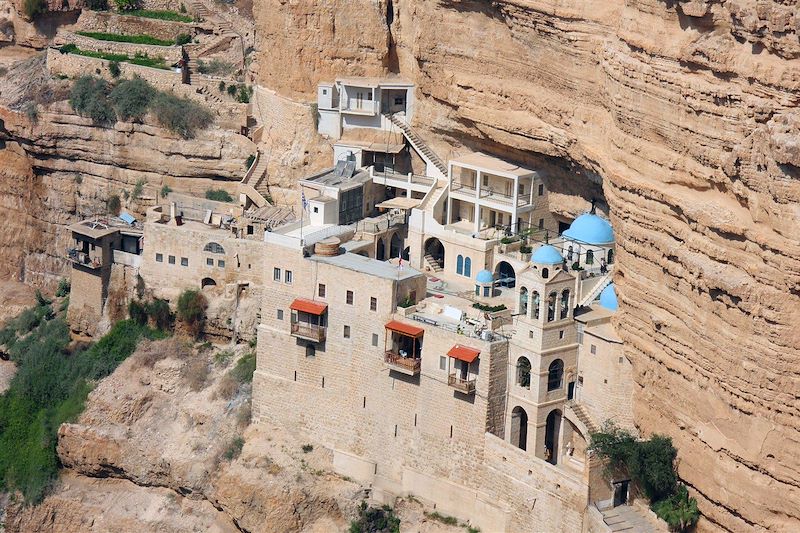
(150,352)
(195,373)
(244,415)
(227,388)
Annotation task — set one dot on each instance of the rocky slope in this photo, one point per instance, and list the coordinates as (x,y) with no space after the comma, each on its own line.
(59,168)
(687,112)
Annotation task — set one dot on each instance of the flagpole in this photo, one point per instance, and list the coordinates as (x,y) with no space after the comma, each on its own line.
(302,213)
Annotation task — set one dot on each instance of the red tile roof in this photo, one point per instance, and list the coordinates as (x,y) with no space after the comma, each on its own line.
(405,329)
(464,353)
(308,306)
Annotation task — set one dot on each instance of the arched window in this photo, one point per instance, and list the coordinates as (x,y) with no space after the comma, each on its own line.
(537,304)
(555,375)
(524,373)
(523,301)
(214,248)
(569,253)
(545,272)
(460,264)
(468,267)
(564,303)
(551,306)
(589,257)
(610,256)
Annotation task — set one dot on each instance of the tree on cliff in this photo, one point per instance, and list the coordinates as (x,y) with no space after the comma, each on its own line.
(192,310)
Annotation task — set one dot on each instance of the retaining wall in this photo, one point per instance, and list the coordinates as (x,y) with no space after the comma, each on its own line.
(110,22)
(171,54)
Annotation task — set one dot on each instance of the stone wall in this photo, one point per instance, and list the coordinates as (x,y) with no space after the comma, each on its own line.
(170,54)
(110,22)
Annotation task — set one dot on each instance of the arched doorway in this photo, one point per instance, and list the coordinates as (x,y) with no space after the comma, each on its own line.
(519,428)
(406,253)
(505,274)
(523,301)
(434,251)
(395,246)
(380,252)
(551,430)
(207,282)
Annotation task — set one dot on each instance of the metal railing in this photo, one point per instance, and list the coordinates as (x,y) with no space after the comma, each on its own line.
(366,106)
(407,365)
(311,332)
(83,258)
(467,386)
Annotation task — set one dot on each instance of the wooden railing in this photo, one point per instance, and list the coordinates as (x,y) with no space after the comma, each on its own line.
(406,365)
(311,332)
(467,386)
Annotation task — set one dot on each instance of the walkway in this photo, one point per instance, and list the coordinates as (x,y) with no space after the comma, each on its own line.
(632,519)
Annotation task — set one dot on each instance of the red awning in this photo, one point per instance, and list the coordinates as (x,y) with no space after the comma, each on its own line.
(308,306)
(405,329)
(464,353)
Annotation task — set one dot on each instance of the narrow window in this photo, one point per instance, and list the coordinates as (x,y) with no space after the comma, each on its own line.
(485,180)
(323,382)
(374,339)
(171,259)
(209,262)
(321,290)
(221,263)
(280,314)
(551,306)
(364,404)
(350,297)
(589,257)
(249,229)
(347,332)
(541,223)
(561,334)
(288,277)
(564,303)
(593,349)
(373,304)
(295,375)
(460,264)
(276,274)
(311,351)
(159,258)
(468,267)
(541,189)
(530,333)
(451,432)
(555,375)
(442,362)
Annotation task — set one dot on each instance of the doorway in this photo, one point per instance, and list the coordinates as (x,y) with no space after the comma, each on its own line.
(620,492)
(552,427)
(519,428)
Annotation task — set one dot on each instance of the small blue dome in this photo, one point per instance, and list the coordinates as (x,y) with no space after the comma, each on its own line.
(590,229)
(484,276)
(608,298)
(547,254)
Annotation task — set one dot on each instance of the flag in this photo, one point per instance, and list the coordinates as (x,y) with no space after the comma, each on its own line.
(303,200)
(400,263)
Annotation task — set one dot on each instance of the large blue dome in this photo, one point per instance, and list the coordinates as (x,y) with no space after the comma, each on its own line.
(590,229)
(484,276)
(608,298)
(548,255)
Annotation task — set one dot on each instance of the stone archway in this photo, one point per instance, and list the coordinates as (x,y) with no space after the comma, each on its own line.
(552,427)
(395,246)
(380,250)
(434,251)
(207,283)
(519,428)
(503,272)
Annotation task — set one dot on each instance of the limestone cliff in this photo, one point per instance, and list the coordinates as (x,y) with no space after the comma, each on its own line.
(687,112)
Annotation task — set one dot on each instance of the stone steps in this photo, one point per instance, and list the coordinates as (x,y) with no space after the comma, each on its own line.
(418,143)
(433,263)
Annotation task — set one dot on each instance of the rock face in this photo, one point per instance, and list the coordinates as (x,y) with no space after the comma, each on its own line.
(687,111)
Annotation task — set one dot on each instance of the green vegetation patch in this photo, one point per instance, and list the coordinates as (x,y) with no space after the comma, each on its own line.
(119,38)
(138,59)
(218,195)
(49,388)
(159,14)
(489,308)
(375,519)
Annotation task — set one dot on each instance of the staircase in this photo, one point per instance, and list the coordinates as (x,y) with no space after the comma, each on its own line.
(583,416)
(418,144)
(209,95)
(257,182)
(433,264)
(433,196)
(594,292)
(632,519)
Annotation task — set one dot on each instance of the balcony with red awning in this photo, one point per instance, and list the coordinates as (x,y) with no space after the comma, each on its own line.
(308,319)
(403,347)
(462,378)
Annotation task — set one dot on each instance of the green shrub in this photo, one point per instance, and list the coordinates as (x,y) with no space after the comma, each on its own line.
(245,366)
(250,160)
(97,5)
(50,388)
(221,86)
(183,38)
(138,189)
(31,8)
(375,519)
(89,98)
(183,8)
(127,5)
(234,449)
(215,67)
(489,308)
(308,448)
(405,302)
(160,15)
(165,190)
(180,115)
(159,313)
(679,511)
(137,312)
(244,93)
(63,287)
(222,357)
(192,310)
(113,69)
(444,519)
(113,204)
(232,90)
(218,195)
(68,48)
(525,249)
(121,38)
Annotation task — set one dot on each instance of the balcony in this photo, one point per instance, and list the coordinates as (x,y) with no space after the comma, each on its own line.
(508,199)
(405,365)
(309,332)
(84,259)
(465,386)
(360,106)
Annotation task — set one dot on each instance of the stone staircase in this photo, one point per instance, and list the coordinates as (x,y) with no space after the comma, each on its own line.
(256,181)
(433,196)
(418,144)
(209,95)
(631,519)
(433,264)
(594,292)
(583,416)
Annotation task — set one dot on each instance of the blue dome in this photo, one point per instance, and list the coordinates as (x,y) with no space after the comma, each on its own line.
(484,276)
(608,298)
(590,229)
(548,255)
